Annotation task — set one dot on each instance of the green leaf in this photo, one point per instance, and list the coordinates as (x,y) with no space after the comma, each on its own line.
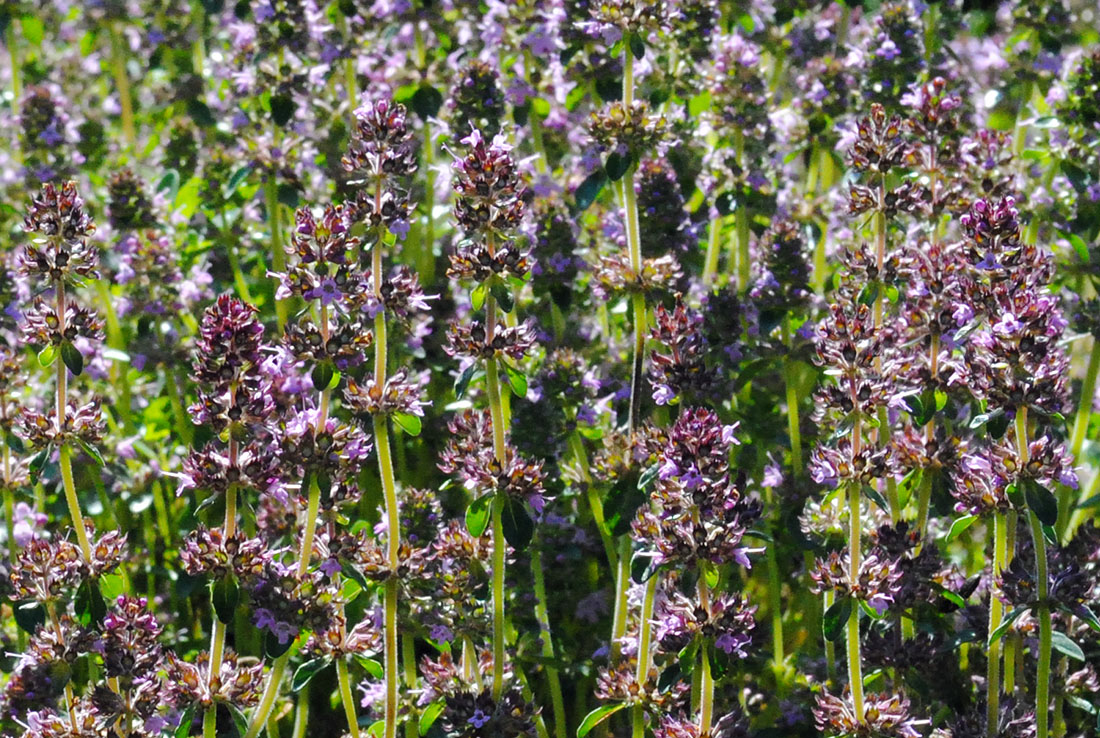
(835,618)
(463,382)
(518,526)
(92,451)
(643,566)
(408,422)
(616,165)
(322,375)
(288,195)
(72,357)
(47,356)
(426,101)
(224,595)
(377,729)
(429,716)
(597,716)
(169,184)
(477,515)
(517,380)
(588,190)
(1041,501)
(1086,614)
(1005,625)
(699,104)
(29,615)
(871,612)
(960,525)
(1065,644)
(502,295)
(370,666)
(648,476)
(979,420)
(89,605)
(235,181)
(184,728)
(875,496)
(637,46)
(273,648)
(282,109)
(477,297)
(304,673)
(33,29)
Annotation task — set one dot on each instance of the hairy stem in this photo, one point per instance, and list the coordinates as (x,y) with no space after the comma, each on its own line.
(346,696)
(557,701)
(1042,590)
(1080,431)
(393,542)
(855,663)
(645,625)
(996,615)
(122,85)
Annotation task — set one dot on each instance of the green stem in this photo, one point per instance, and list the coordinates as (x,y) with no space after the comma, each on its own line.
(1042,581)
(706,679)
(828,597)
(576,445)
(393,542)
(498,596)
(793,425)
(122,84)
(645,626)
(66,464)
(775,603)
(996,615)
(622,584)
(267,701)
(346,696)
(855,663)
(408,664)
(313,507)
(710,264)
(278,667)
(350,83)
(12,42)
(274,223)
(218,628)
(301,713)
(542,613)
(1080,431)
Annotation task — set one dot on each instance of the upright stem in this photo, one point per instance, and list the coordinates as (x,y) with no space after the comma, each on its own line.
(393,540)
(828,597)
(645,625)
(1080,431)
(557,701)
(278,667)
(706,679)
(855,663)
(122,83)
(274,222)
(634,247)
(793,425)
(622,583)
(1042,590)
(12,41)
(346,696)
(710,263)
(66,464)
(996,615)
(351,84)
(218,628)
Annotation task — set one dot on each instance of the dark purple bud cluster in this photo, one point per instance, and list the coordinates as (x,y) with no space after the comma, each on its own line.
(60,252)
